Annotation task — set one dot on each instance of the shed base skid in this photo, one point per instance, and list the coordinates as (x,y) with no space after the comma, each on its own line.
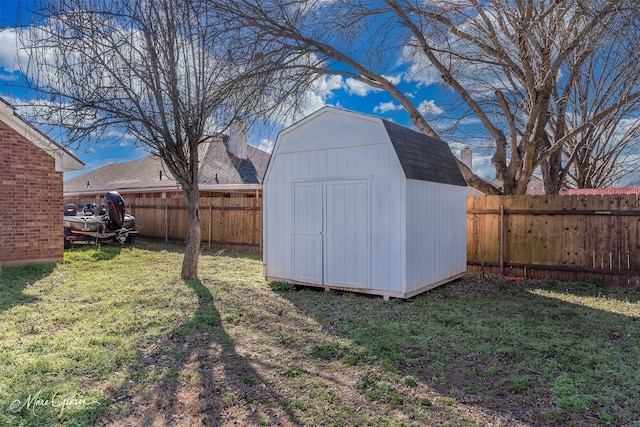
(384,294)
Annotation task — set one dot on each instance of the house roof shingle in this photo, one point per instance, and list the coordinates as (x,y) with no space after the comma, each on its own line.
(218,167)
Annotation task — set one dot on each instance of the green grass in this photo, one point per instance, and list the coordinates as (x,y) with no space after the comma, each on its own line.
(75,329)
(114,335)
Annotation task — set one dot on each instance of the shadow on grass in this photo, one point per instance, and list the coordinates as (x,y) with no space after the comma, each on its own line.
(13,281)
(194,377)
(522,356)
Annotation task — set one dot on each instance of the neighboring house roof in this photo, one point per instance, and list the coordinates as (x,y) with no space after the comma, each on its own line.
(423,157)
(64,160)
(218,169)
(535,188)
(221,167)
(143,174)
(600,191)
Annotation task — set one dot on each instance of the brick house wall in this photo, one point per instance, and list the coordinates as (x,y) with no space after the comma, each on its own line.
(31,202)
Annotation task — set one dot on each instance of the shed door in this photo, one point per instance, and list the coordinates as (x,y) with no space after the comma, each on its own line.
(346,237)
(307,232)
(331,233)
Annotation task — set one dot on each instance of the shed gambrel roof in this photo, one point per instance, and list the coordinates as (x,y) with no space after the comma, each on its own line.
(422,157)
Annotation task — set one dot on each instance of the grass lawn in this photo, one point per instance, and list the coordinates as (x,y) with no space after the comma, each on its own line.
(114,337)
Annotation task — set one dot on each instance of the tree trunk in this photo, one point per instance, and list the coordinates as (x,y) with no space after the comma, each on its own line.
(552,176)
(192,248)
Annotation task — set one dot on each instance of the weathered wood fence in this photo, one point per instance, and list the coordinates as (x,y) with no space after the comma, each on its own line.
(556,237)
(232,222)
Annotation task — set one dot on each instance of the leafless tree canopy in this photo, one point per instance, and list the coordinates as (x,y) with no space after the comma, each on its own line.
(526,70)
(166,73)
(604,152)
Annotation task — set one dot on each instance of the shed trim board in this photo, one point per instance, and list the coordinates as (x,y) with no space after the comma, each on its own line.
(307,239)
(344,210)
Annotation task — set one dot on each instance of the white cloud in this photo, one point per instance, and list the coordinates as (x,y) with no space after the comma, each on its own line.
(358,88)
(311,102)
(10,54)
(313,99)
(5,77)
(386,107)
(318,95)
(393,79)
(325,85)
(288,113)
(265,144)
(429,107)
(420,69)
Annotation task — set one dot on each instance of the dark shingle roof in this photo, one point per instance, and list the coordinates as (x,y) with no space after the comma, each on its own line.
(132,175)
(228,169)
(217,167)
(259,159)
(422,157)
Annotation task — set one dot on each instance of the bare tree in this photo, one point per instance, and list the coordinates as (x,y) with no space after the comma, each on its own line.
(604,155)
(604,151)
(161,71)
(506,63)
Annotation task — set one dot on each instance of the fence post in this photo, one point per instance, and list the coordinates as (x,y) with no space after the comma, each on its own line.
(166,220)
(501,238)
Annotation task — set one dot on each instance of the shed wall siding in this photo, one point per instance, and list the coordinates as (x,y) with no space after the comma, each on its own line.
(31,202)
(436,233)
(374,162)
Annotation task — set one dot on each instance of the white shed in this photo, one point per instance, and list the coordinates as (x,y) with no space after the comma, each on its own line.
(359,203)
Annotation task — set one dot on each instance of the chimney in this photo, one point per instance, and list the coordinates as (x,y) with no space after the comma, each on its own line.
(238,136)
(466,155)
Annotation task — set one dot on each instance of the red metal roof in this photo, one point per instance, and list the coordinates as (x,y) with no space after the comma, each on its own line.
(600,191)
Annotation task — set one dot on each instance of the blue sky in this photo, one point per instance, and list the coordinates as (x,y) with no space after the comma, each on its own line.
(337,91)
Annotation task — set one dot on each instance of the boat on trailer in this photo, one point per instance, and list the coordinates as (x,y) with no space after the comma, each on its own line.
(94,223)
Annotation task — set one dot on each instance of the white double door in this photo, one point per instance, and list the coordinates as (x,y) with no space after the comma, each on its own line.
(331,232)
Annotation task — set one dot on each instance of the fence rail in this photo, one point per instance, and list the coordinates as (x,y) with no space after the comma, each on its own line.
(556,237)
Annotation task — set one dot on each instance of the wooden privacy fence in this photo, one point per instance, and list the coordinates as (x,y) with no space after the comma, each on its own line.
(558,237)
(225,222)
(231,222)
